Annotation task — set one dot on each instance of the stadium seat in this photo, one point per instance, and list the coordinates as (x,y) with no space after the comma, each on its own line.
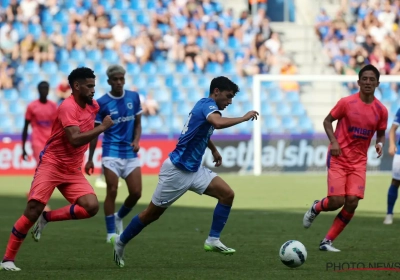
(132,69)
(28,95)
(389,95)
(3,107)
(149,68)
(275,95)
(94,55)
(306,124)
(110,56)
(49,67)
(297,109)
(283,109)
(288,123)
(31,67)
(155,123)
(271,123)
(78,55)
(7,125)
(292,96)
(10,94)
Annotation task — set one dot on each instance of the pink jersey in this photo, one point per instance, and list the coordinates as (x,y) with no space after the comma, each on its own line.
(357,124)
(58,150)
(41,116)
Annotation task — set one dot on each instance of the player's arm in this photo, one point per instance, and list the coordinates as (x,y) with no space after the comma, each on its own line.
(211,146)
(137,130)
(24,137)
(329,128)
(93,144)
(219,122)
(392,139)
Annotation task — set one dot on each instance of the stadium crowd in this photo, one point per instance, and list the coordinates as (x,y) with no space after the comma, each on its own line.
(192,32)
(362,32)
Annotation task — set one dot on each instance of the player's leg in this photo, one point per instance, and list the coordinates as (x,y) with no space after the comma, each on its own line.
(208,182)
(42,187)
(172,184)
(393,190)
(100,183)
(336,183)
(37,149)
(111,174)
(355,188)
(80,194)
(133,178)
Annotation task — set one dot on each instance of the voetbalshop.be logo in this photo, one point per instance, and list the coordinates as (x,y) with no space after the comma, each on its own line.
(372,266)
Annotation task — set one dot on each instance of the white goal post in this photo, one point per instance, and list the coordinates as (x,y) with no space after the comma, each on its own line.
(257,102)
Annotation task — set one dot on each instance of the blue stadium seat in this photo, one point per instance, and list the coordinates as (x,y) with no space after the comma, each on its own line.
(149,68)
(78,55)
(271,123)
(389,95)
(35,30)
(99,67)
(165,108)
(306,124)
(28,94)
(49,67)
(288,123)
(266,108)
(171,81)
(135,5)
(297,109)
(6,125)
(292,96)
(177,95)
(132,69)
(213,68)
(187,81)
(62,55)
(16,108)
(19,123)
(275,95)
(153,81)
(233,43)
(142,18)
(162,95)
(202,81)
(155,123)
(110,56)
(139,81)
(3,107)
(106,4)
(94,55)
(181,68)
(61,17)
(151,4)
(121,5)
(10,94)
(31,67)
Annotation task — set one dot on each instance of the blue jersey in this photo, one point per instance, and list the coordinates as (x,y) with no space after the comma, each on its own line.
(123,110)
(194,138)
(396,121)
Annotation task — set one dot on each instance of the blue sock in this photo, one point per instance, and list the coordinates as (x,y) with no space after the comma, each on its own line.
(123,211)
(110,224)
(392,197)
(221,214)
(133,229)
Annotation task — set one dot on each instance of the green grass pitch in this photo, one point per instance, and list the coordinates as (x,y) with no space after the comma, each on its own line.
(268,211)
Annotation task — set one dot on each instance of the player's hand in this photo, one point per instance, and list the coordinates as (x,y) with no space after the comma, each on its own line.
(89,167)
(251,115)
(135,146)
(379,150)
(217,158)
(392,150)
(24,155)
(107,122)
(335,149)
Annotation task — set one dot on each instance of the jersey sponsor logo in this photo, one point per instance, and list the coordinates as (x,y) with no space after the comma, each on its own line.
(113,112)
(213,107)
(360,133)
(124,119)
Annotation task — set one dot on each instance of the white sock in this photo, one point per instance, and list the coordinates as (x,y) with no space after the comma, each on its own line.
(116,216)
(212,239)
(109,235)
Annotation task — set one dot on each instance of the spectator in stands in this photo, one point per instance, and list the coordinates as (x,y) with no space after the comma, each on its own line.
(149,105)
(6,81)
(63,90)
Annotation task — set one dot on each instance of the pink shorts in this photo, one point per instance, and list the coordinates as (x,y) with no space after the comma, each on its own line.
(71,184)
(346,181)
(37,149)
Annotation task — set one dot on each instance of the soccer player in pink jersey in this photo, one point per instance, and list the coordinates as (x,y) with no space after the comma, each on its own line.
(359,116)
(60,166)
(41,115)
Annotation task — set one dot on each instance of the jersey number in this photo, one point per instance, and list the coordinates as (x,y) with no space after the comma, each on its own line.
(186,126)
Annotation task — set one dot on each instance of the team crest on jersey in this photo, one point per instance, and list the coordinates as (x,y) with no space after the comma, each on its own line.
(129,105)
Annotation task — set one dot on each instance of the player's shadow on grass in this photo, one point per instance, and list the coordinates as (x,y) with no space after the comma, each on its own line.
(174,244)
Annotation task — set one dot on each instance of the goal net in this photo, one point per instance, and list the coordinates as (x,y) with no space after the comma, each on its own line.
(289,135)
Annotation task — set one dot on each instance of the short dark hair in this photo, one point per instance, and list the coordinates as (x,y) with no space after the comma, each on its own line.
(369,67)
(223,83)
(43,83)
(80,73)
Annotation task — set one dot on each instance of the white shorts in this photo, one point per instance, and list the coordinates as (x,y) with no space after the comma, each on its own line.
(122,167)
(396,167)
(174,182)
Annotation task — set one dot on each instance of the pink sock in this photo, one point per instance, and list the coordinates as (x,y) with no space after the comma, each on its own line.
(18,234)
(340,222)
(69,212)
(321,205)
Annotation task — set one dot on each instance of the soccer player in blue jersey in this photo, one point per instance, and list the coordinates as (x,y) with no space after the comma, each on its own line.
(181,171)
(120,146)
(394,186)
